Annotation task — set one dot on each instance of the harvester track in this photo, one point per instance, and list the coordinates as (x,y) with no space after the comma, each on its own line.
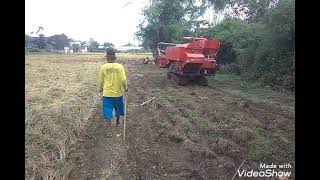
(185,80)
(201,80)
(181,80)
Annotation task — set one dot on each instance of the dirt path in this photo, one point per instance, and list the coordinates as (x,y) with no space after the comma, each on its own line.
(188,132)
(97,157)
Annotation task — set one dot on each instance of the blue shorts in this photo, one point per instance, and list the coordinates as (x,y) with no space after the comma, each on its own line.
(110,103)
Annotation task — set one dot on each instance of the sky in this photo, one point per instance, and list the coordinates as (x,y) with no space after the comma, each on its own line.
(112,21)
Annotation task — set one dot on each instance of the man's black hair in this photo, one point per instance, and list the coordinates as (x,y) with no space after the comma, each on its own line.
(111,54)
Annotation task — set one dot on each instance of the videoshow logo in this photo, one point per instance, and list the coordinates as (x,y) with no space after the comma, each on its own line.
(277,171)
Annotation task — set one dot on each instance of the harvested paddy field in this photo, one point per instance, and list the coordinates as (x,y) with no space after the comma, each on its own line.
(185,132)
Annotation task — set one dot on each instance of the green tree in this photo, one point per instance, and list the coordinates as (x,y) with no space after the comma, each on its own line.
(58,41)
(238,39)
(168,21)
(41,41)
(253,10)
(93,45)
(275,57)
(108,44)
(76,47)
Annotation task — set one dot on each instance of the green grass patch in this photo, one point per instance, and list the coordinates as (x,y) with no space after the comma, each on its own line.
(184,122)
(254,91)
(193,115)
(235,92)
(159,80)
(259,148)
(226,77)
(203,125)
(249,86)
(171,98)
(244,82)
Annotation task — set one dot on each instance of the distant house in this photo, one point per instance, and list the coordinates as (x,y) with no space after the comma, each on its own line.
(49,48)
(33,42)
(66,49)
(101,47)
(85,49)
(31,45)
(82,47)
(72,45)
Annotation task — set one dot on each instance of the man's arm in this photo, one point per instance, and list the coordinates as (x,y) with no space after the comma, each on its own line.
(124,79)
(101,79)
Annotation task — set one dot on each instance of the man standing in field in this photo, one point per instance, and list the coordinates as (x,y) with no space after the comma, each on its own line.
(112,82)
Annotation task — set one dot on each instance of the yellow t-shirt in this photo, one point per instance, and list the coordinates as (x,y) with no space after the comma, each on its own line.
(112,79)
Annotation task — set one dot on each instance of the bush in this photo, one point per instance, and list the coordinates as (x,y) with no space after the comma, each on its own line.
(226,53)
(232,68)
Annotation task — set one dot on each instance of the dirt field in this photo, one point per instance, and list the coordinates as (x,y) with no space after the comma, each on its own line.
(186,132)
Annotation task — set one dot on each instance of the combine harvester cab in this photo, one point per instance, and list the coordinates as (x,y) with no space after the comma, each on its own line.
(190,61)
(161,59)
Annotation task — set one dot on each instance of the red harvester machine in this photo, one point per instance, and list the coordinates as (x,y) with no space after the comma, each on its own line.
(190,61)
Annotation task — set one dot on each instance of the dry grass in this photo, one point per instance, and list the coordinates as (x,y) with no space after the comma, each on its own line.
(61,96)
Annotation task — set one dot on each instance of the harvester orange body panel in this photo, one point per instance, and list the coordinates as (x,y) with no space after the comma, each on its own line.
(197,58)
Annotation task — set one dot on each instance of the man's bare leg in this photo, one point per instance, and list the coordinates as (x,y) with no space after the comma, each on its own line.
(118,121)
(109,128)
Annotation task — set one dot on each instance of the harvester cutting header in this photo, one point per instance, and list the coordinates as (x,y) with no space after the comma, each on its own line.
(190,61)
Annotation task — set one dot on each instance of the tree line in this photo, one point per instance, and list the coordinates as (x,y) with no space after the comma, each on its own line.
(257,36)
(59,41)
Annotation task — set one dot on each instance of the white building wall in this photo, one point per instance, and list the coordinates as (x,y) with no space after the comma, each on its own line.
(66,49)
